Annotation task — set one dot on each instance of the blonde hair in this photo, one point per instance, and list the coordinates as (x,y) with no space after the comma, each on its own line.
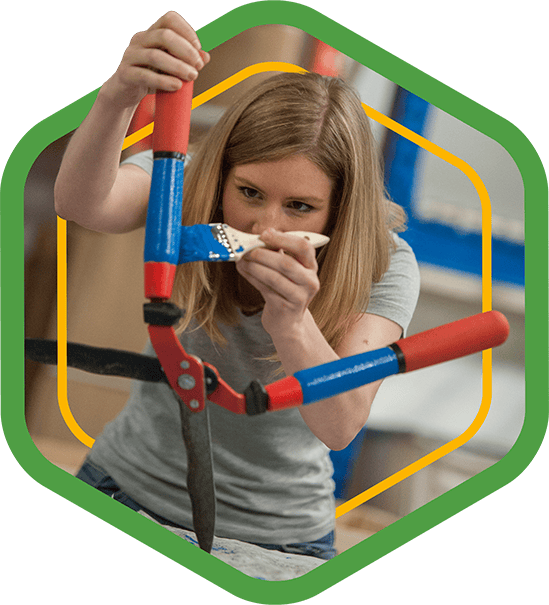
(322,119)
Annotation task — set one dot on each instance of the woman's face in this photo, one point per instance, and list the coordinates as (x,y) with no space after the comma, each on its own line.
(292,194)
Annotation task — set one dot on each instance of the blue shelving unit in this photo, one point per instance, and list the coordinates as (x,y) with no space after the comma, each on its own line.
(434,243)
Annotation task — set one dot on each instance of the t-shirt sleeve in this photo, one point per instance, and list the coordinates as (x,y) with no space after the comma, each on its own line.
(143,159)
(395,296)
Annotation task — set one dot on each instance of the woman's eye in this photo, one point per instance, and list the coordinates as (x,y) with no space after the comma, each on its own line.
(249,192)
(301,206)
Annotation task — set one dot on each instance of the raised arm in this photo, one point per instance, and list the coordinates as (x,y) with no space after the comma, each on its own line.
(288,283)
(92,189)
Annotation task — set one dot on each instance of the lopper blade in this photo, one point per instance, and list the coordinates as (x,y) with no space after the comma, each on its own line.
(200,479)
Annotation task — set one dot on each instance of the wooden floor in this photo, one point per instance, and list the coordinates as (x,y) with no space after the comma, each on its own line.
(359,524)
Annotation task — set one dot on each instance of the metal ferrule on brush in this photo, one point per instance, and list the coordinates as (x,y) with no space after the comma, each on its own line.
(220,236)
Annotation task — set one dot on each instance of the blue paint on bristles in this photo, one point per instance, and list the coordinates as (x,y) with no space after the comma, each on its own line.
(198,243)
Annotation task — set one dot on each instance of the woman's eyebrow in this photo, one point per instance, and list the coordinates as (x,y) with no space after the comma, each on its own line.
(244,181)
(308,198)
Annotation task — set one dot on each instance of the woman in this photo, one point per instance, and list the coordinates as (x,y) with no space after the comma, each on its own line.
(295,154)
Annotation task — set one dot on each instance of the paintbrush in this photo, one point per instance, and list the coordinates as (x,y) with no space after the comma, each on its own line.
(219,242)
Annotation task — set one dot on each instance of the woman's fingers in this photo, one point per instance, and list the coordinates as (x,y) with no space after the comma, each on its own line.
(172,33)
(277,271)
(174,45)
(288,266)
(158,61)
(260,283)
(285,274)
(159,58)
(165,50)
(296,246)
(271,265)
(174,21)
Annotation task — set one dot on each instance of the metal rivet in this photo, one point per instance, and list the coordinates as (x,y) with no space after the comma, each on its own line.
(186,381)
(185,365)
(194,404)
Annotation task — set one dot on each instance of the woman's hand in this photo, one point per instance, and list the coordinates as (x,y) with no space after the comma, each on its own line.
(285,274)
(288,282)
(157,59)
(92,189)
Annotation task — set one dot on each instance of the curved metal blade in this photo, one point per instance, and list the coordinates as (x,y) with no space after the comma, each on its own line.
(200,479)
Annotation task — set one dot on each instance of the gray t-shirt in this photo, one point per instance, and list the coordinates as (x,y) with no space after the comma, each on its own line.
(273,477)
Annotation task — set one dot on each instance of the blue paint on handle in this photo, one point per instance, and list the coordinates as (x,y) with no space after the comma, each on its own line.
(199,244)
(345,374)
(163,230)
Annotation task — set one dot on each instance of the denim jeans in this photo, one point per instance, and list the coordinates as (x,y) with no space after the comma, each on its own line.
(323,548)
(97,477)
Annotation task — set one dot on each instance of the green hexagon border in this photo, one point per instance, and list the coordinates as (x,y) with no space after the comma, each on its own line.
(400,532)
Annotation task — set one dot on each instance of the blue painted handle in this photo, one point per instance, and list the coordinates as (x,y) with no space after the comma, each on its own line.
(347,373)
(163,230)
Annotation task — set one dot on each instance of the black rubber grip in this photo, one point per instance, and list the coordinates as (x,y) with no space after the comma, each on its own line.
(257,398)
(400,357)
(176,155)
(161,313)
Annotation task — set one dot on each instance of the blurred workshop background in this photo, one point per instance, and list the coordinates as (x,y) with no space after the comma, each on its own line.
(414,414)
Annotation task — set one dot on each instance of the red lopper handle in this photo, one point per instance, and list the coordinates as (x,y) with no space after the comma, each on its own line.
(173,119)
(453,340)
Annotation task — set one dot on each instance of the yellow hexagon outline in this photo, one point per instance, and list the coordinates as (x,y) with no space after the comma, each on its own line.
(62,386)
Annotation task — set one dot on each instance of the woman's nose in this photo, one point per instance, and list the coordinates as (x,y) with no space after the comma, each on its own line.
(267,220)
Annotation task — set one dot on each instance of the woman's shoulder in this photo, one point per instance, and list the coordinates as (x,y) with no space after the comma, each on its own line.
(395,295)
(401,245)
(403,259)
